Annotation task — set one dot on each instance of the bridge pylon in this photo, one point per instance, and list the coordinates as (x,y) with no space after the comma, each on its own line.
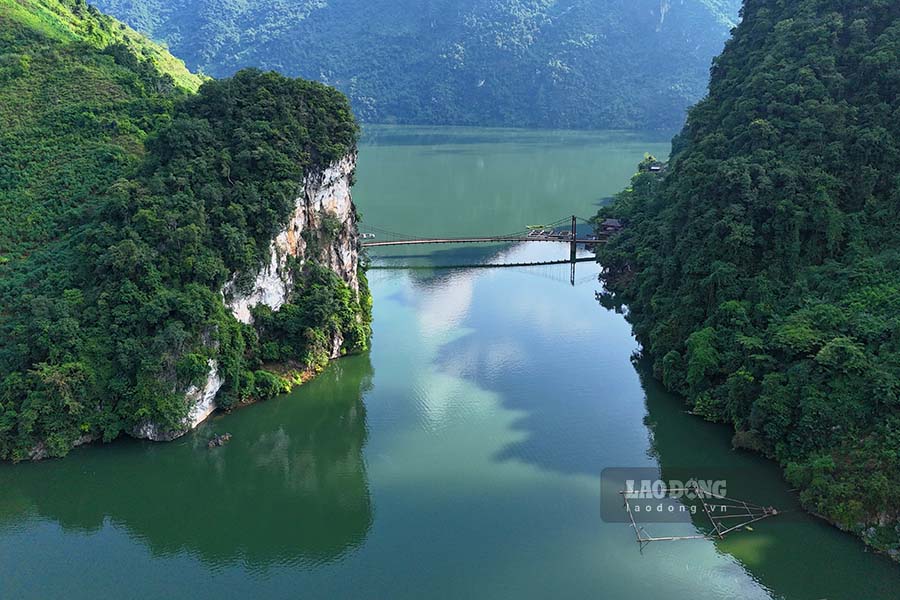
(572,246)
(573,251)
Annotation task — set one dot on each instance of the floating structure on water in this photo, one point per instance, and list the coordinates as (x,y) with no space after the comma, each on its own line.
(726,515)
(218,440)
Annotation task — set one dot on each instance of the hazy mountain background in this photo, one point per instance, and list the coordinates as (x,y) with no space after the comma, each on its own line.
(545,63)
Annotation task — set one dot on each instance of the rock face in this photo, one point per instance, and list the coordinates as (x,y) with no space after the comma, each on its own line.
(322,226)
(40,451)
(202,402)
(323,212)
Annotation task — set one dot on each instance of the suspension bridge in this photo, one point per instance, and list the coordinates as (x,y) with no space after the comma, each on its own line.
(375,237)
(560,231)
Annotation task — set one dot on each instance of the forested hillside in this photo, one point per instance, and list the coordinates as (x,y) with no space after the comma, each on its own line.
(546,63)
(762,269)
(126,202)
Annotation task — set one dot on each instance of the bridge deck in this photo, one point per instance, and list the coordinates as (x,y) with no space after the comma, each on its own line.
(540,263)
(480,240)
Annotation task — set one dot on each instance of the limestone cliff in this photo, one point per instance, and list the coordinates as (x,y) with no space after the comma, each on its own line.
(323,213)
(323,228)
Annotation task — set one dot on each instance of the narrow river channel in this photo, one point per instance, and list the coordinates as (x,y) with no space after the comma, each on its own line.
(462,457)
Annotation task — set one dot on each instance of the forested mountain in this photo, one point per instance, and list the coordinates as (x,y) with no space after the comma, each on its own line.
(547,63)
(128,199)
(762,269)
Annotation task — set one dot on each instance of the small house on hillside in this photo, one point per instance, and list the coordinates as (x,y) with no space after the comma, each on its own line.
(651,165)
(611,226)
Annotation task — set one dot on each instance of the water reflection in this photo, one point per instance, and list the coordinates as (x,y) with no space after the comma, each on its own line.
(290,488)
(439,256)
(564,373)
(548,358)
(794,554)
(501,395)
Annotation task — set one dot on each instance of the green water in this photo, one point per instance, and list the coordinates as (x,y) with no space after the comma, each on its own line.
(460,458)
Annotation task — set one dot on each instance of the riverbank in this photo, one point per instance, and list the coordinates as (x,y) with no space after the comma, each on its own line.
(471,438)
(286,378)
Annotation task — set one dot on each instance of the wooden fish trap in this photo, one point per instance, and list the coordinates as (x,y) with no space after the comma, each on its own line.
(726,515)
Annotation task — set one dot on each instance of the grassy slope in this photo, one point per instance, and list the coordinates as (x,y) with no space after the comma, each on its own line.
(71,116)
(68,21)
(76,104)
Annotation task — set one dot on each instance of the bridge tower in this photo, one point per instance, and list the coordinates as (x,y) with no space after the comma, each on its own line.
(572,248)
(574,237)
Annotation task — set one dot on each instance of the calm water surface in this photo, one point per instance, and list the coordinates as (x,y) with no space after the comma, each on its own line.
(460,458)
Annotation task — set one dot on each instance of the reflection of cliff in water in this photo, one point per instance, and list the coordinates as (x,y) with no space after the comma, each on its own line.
(777,549)
(291,486)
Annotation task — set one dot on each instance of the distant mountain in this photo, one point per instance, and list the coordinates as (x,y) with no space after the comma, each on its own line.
(545,63)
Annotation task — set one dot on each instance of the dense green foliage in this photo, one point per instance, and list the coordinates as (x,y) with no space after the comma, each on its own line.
(76,21)
(127,203)
(78,95)
(303,329)
(762,271)
(547,63)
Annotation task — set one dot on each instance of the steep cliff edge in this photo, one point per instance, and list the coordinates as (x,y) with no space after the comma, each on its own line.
(201,402)
(295,297)
(131,195)
(321,229)
(323,217)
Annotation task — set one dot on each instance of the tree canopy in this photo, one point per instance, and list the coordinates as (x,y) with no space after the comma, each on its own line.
(128,200)
(762,269)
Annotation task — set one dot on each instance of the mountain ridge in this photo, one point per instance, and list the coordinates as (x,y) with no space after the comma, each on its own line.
(524,63)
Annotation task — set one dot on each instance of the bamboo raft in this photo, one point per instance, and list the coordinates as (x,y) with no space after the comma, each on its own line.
(722,524)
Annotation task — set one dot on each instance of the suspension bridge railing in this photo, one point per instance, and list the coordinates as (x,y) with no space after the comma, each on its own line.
(379,236)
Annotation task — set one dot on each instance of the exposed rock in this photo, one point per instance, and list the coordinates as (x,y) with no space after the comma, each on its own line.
(39,452)
(337,343)
(324,196)
(202,402)
(87,438)
(325,219)
(219,440)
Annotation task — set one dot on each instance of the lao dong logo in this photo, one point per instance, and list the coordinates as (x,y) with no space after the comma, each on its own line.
(661,500)
(643,494)
(658,489)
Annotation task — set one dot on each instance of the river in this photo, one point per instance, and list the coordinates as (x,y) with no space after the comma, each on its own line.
(462,457)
